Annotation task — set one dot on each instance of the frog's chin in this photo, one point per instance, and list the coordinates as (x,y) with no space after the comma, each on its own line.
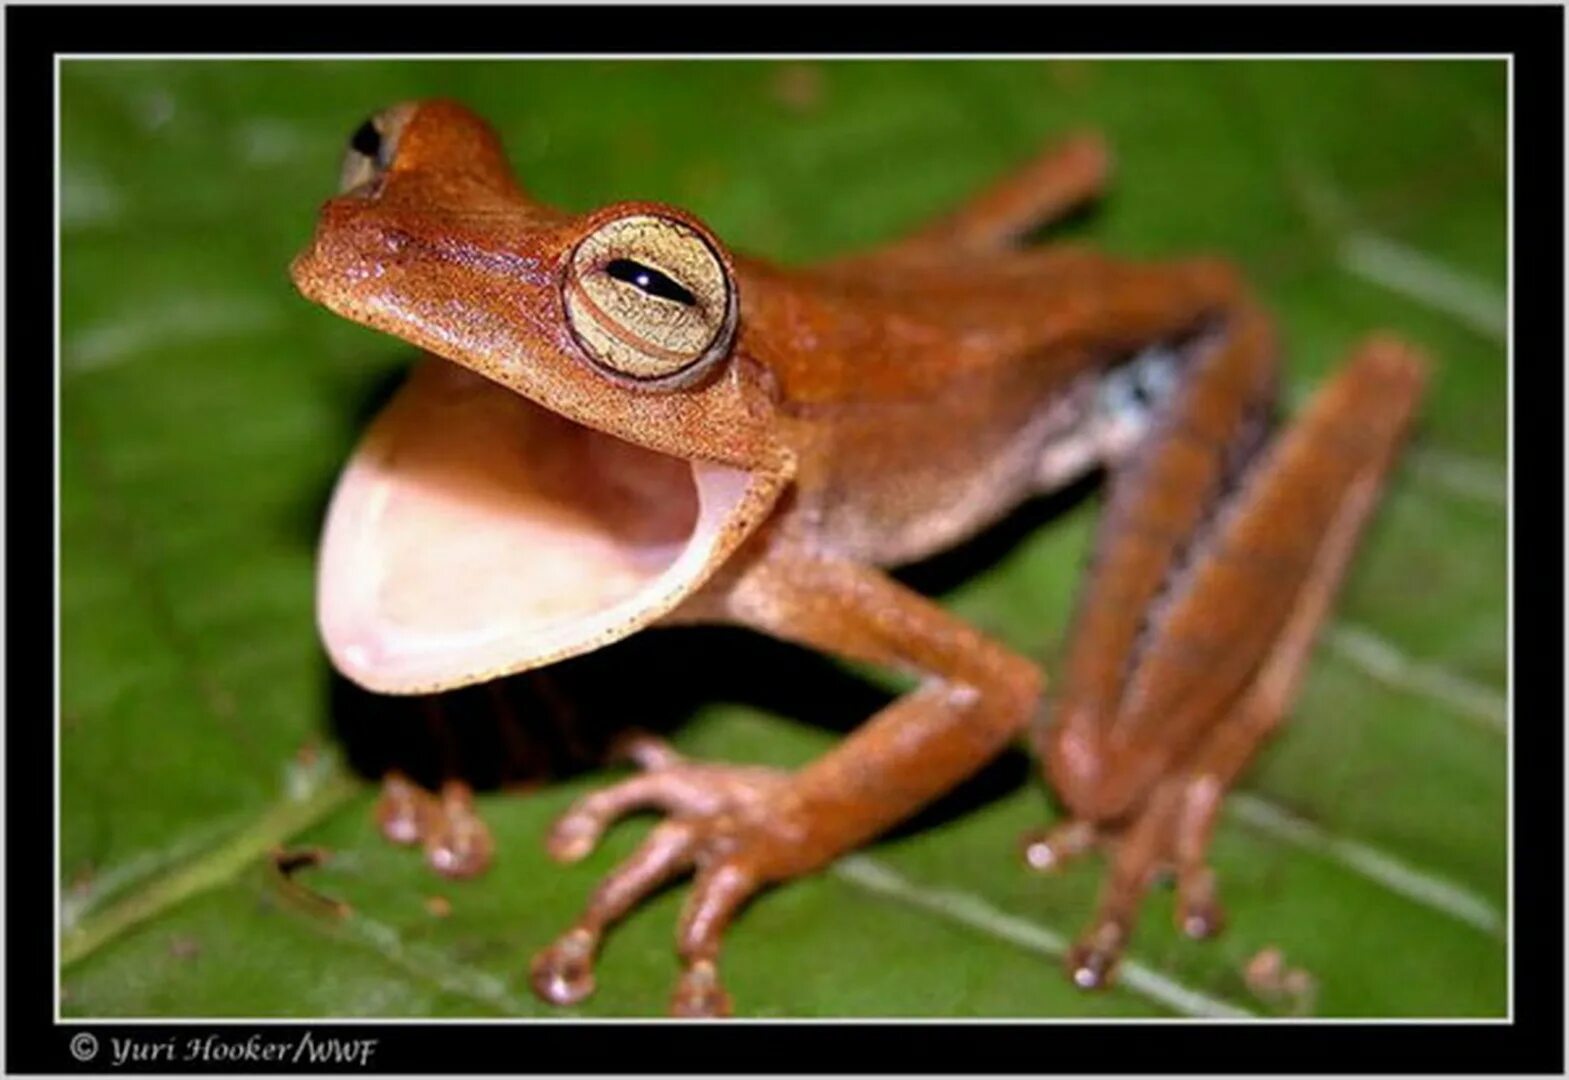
(475,534)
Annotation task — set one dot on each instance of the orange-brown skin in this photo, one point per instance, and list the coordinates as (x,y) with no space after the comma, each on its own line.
(903,399)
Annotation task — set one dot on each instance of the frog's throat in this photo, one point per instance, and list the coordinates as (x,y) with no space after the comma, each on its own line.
(476,534)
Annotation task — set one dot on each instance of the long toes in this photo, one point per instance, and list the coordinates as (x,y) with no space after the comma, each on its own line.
(563,972)
(458,844)
(577,831)
(667,851)
(717,895)
(707,806)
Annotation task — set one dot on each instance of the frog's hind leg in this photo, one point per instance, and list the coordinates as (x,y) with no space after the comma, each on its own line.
(1176,825)
(1044,190)
(1282,544)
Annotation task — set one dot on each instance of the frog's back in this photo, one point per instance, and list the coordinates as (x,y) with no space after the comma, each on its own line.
(926,399)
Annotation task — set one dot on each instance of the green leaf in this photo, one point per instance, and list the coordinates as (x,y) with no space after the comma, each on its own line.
(206,409)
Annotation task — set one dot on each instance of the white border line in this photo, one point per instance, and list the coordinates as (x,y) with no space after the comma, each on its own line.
(58,375)
(1509,535)
(1394,874)
(978,913)
(780,56)
(58,58)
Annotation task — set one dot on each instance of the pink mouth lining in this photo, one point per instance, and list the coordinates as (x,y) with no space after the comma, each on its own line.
(476,534)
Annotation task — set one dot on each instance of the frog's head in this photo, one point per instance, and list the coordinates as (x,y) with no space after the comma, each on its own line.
(597,446)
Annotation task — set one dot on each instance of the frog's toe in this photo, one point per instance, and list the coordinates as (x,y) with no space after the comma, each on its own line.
(648,752)
(577,831)
(457,842)
(563,972)
(1049,850)
(1199,914)
(699,993)
(1093,959)
(718,824)
(1090,967)
(404,809)
(717,894)
(1142,853)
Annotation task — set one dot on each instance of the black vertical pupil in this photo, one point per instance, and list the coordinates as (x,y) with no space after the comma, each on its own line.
(366,139)
(649,280)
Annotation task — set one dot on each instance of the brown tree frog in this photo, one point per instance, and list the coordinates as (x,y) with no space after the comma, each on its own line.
(624,424)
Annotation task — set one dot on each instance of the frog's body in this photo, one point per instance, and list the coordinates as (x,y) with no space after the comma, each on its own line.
(933,399)
(667,433)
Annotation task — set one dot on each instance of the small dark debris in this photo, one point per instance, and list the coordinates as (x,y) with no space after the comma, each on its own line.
(1292,989)
(184,947)
(290,861)
(82,879)
(287,862)
(798,87)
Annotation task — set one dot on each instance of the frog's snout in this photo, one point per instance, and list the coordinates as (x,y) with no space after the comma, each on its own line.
(348,247)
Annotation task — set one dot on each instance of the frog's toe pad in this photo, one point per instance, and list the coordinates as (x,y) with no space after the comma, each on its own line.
(1049,850)
(403,810)
(699,993)
(563,973)
(1091,967)
(1199,913)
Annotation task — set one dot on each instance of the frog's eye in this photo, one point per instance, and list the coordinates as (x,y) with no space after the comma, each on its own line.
(649,299)
(372,147)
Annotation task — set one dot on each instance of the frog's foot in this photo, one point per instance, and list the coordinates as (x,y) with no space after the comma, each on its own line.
(1049,850)
(724,823)
(1252,584)
(457,844)
(1168,837)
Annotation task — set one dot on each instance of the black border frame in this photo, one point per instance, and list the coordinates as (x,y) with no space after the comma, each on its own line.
(1534,35)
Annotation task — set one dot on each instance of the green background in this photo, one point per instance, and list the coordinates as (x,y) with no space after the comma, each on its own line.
(206,409)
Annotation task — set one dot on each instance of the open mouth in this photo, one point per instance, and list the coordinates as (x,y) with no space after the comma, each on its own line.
(476,534)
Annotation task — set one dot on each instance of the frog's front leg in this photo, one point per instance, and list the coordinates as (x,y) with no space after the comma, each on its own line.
(741,828)
(1217,561)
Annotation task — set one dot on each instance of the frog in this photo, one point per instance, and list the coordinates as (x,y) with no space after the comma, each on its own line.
(621,424)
